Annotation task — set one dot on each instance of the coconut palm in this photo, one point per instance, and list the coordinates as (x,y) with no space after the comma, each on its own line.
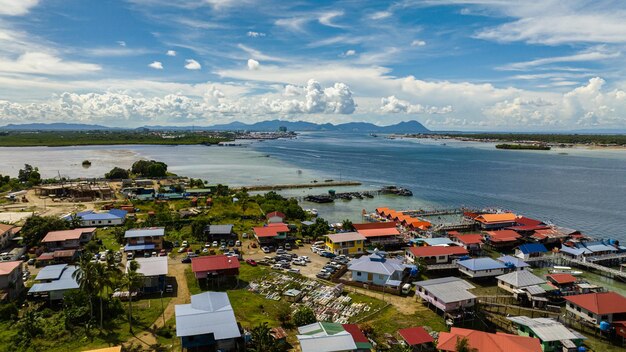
(86,276)
(462,345)
(130,281)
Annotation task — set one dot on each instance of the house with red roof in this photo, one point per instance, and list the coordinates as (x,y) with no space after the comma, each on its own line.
(417,338)
(502,238)
(271,233)
(214,266)
(470,241)
(435,254)
(68,239)
(11,282)
(275,217)
(7,232)
(382,233)
(562,280)
(597,307)
(482,341)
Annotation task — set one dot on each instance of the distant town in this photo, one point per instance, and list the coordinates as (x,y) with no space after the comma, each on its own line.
(142,259)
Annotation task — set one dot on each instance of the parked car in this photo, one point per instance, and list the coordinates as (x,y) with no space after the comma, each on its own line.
(244,235)
(238,243)
(176,244)
(323,275)
(181,249)
(186,260)
(223,247)
(130,256)
(205,250)
(191,255)
(294,271)
(299,262)
(207,245)
(406,288)
(146,254)
(185,244)
(215,244)
(31,261)
(305,258)
(288,246)
(277,267)
(265,249)
(327,254)
(162,253)
(299,243)
(281,251)
(231,243)
(285,265)
(251,262)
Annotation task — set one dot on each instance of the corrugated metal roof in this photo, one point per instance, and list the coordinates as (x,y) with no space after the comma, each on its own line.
(374,264)
(152,232)
(529,248)
(572,251)
(138,247)
(517,262)
(481,264)
(547,329)
(346,237)
(51,272)
(439,241)
(521,278)
(535,290)
(220,229)
(153,266)
(208,313)
(448,289)
(325,337)
(64,282)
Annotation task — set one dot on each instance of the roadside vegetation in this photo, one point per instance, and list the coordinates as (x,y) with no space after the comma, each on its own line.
(608,139)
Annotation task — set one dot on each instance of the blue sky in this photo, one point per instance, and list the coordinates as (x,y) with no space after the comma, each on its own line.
(450,64)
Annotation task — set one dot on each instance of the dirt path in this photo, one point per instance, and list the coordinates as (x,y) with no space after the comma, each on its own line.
(147,339)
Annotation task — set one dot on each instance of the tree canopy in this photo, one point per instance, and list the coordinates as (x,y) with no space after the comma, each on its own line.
(116,173)
(304,316)
(149,168)
(36,227)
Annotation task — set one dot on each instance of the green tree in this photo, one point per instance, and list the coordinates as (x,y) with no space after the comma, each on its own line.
(36,227)
(131,281)
(317,230)
(400,347)
(462,345)
(262,339)
(29,175)
(117,173)
(149,168)
(222,190)
(347,225)
(303,316)
(197,229)
(87,277)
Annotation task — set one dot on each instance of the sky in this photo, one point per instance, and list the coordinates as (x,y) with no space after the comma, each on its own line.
(450,64)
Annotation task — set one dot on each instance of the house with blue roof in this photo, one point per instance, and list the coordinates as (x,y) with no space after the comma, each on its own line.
(530,250)
(377,269)
(91,218)
(513,263)
(53,281)
(482,267)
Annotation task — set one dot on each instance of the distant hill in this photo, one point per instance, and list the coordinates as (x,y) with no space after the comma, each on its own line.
(58,126)
(263,126)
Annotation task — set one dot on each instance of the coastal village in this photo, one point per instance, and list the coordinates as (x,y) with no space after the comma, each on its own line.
(176,264)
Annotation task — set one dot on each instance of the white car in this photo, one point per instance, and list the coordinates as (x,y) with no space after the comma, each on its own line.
(299,262)
(181,249)
(305,258)
(216,244)
(207,245)
(238,243)
(277,267)
(265,249)
(205,250)
(185,244)
(295,271)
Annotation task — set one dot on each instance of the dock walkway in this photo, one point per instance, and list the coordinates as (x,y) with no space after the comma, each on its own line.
(587,263)
(300,185)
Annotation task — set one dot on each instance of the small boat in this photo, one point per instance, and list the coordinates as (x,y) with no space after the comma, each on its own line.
(564,270)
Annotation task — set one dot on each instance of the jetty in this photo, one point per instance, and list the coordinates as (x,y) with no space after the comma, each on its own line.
(299,185)
(588,263)
(435,212)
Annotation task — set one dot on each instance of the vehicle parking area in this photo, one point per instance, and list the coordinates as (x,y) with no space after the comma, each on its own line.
(310,270)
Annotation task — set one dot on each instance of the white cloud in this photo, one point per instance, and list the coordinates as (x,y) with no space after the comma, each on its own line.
(418,43)
(170,53)
(292,91)
(121,43)
(257,55)
(157,65)
(335,99)
(254,34)
(45,63)
(326,18)
(253,64)
(380,15)
(593,55)
(192,64)
(295,24)
(392,104)
(16,7)
(347,53)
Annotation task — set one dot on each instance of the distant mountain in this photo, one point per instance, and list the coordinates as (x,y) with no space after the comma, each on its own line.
(263,126)
(58,126)
(361,127)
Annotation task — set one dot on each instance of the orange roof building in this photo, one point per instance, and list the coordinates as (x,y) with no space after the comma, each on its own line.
(502,238)
(486,342)
(496,221)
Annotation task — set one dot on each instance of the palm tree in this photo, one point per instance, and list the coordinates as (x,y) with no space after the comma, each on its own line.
(262,339)
(462,345)
(86,276)
(131,281)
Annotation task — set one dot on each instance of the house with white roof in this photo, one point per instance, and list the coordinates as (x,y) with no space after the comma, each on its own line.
(377,269)
(53,281)
(208,323)
(89,218)
(153,271)
(524,286)
(553,336)
(332,337)
(481,267)
(447,294)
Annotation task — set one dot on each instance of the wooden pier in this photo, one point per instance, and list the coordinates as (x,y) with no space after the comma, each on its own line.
(436,212)
(299,185)
(588,263)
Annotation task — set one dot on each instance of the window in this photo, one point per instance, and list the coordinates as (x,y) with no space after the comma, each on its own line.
(358,273)
(604,317)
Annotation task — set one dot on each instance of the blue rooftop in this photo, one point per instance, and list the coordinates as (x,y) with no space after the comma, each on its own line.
(64,280)
(51,272)
(91,215)
(516,262)
(138,247)
(530,248)
(572,251)
(481,264)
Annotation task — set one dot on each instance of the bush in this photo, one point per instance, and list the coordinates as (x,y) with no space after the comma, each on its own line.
(8,312)
(116,173)
(303,316)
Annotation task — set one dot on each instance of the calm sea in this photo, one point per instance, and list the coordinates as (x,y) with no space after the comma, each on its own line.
(576,188)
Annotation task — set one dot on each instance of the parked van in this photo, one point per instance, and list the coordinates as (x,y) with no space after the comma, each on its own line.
(319,243)
(406,288)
